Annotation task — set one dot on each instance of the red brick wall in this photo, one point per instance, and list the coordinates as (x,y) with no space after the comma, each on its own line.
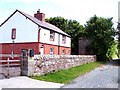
(16,47)
(66,50)
(48,46)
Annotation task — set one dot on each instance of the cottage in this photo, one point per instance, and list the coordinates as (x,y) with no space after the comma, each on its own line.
(23,31)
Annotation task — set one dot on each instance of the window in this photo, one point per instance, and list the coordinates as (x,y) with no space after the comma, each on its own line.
(52,36)
(51,51)
(63,39)
(13,34)
(63,52)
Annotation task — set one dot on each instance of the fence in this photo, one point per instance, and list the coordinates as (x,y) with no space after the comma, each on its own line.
(46,63)
(9,67)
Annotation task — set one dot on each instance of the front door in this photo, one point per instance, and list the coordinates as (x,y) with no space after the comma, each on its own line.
(41,51)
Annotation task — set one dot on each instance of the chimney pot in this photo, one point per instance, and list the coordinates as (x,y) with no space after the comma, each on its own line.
(38,11)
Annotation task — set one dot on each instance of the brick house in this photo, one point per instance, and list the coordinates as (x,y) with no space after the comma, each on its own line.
(23,31)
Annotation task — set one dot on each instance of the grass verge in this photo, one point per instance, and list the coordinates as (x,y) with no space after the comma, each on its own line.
(65,76)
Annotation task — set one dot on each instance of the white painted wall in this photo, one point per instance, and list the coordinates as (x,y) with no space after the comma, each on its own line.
(26,30)
(45,38)
(68,42)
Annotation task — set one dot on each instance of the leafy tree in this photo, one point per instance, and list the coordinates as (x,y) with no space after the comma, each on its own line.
(59,22)
(118,33)
(100,31)
(113,51)
(71,27)
(75,30)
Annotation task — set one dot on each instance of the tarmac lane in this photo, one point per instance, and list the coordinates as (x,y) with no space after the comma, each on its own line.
(106,76)
(101,77)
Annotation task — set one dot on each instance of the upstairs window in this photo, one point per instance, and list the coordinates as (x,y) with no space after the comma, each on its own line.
(51,51)
(13,34)
(52,36)
(63,39)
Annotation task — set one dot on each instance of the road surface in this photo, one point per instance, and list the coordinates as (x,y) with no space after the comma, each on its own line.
(101,77)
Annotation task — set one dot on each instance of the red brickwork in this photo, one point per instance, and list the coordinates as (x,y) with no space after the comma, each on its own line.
(7,48)
(67,50)
(57,49)
(47,48)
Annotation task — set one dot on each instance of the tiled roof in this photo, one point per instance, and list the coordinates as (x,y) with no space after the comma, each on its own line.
(43,24)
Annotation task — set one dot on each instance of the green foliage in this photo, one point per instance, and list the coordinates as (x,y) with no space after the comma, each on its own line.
(71,27)
(113,51)
(100,31)
(65,76)
(75,30)
(59,22)
(118,33)
(119,48)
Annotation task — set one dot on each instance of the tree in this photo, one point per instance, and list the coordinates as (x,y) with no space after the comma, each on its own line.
(71,27)
(75,30)
(118,33)
(59,22)
(101,33)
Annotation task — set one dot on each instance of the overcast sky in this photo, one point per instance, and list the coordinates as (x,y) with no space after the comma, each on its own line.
(80,10)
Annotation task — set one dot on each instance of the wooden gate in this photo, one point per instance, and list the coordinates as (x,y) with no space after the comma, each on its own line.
(9,67)
(16,65)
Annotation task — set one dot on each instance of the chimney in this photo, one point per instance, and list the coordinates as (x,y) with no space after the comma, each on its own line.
(40,16)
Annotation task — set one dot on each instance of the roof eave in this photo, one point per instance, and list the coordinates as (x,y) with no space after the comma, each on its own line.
(9,17)
(31,20)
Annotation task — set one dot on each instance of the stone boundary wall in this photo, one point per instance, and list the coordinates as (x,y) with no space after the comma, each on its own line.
(11,72)
(44,64)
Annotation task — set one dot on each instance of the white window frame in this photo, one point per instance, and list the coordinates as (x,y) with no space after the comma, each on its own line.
(63,39)
(52,35)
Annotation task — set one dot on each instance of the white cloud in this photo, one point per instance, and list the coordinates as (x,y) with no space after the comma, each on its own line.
(80,10)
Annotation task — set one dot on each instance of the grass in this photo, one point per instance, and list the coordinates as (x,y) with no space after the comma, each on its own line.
(65,76)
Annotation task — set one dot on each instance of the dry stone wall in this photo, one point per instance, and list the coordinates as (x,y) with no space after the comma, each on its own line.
(44,64)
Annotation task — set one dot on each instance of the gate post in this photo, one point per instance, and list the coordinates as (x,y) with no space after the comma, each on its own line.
(27,62)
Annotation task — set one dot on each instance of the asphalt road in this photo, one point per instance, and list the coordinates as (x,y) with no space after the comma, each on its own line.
(102,77)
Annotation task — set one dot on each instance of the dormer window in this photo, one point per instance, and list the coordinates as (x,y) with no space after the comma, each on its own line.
(52,36)
(63,39)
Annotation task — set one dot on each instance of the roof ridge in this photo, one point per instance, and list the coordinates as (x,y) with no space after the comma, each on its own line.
(38,22)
